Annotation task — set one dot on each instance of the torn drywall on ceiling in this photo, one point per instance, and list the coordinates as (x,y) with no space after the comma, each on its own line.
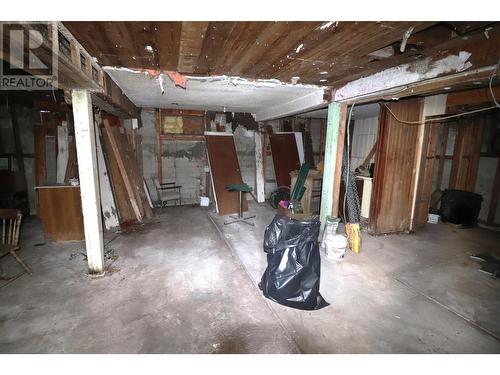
(404,74)
(217,93)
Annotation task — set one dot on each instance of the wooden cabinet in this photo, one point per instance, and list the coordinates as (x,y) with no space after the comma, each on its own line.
(60,209)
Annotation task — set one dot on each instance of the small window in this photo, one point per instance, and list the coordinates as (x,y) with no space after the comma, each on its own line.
(64,45)
(95,74)
(83,63)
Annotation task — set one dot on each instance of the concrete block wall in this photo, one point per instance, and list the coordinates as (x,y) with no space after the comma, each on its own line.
(185,162)
(182,161)
(244,142)
(269,175)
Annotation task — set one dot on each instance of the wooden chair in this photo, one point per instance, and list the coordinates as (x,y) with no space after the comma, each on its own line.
(167,192)
(10,220)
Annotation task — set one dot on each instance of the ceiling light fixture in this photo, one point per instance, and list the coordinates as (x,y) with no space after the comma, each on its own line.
(148,48)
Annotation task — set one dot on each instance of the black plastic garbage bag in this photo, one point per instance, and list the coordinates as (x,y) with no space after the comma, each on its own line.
(460,206)
(293,263)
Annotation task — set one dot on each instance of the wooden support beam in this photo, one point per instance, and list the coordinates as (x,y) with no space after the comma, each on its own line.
(89,179)
(40,171)
(17,141)
(259,165)
(442,154)
(322,135)
(480,96)
(114,101)
(159,168)
(495,194)
(338,159)
(59,45)
(62,152)
(370,154)
(331,171)
(123,171)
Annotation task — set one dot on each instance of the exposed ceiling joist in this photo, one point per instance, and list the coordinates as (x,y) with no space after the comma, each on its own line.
(460,61)
(318,52)
(76,68)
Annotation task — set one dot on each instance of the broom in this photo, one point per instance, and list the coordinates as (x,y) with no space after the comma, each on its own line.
(353,236)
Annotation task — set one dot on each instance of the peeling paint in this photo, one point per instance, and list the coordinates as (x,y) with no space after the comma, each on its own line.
(235,80)
(404,74)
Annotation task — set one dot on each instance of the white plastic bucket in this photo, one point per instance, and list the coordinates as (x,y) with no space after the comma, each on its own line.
(335,247)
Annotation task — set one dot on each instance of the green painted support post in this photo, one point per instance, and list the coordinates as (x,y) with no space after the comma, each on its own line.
(330,160)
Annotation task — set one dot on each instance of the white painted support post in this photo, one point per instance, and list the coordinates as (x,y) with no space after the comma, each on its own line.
(89,178)
(330,161)
(259,167)
(62,152)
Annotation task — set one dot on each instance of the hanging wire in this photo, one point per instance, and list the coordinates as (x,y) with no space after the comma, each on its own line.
(493,74)
(491,81)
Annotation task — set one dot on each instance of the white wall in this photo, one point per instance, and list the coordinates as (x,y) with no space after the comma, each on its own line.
(363,139)
(245,149)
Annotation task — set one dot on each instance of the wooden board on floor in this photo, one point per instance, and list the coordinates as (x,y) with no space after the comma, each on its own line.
(132,168)
(225,169)
(125,210)
(285,156)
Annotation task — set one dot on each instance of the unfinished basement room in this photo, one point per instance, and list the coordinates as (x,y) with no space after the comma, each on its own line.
(264,187)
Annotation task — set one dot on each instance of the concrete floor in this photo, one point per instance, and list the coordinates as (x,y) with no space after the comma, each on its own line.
(181,284)
(174,288)
(417,293)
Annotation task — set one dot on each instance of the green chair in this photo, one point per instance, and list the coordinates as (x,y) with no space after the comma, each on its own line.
(240,188)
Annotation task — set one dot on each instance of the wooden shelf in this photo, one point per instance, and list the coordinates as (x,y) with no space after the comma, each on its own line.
(182,137)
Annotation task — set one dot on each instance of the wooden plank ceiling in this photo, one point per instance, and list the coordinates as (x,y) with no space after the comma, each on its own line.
(324,53)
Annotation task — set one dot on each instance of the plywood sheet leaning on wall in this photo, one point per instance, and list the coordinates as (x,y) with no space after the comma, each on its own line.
(466,153)
(285,156)
(108,205)
(72,166)
(128,169)
(395,163)
(225,169)
(122,166)
(124,206)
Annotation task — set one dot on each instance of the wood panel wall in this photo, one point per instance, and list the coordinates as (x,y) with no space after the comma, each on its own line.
(395,165)
(225,170)
(466,154)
